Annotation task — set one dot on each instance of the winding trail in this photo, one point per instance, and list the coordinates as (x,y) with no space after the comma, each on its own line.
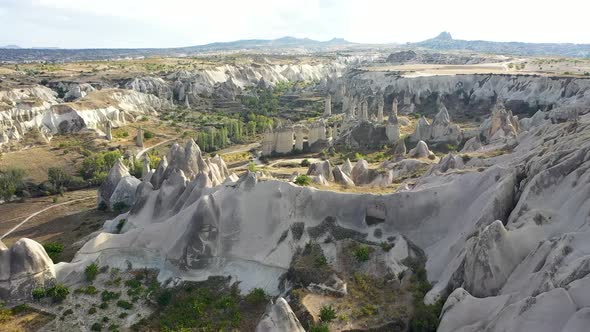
(140,153)
(43,210)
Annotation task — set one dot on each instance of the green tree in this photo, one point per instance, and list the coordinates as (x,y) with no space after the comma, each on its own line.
(11,181)
(58,177)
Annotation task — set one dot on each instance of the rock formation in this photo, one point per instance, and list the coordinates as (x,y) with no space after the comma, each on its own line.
(279,318)
(380,106)
(23,267)
(441,130)
(500,126)
(37,108)
(119,187)
(139,138)
(328,106)
(109,130)
(420,151)
(473,144)
(342,178)
(322,168)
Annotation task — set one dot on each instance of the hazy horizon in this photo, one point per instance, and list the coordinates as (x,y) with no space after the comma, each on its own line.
(178,23)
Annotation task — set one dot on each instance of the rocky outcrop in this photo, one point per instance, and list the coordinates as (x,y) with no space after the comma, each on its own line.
(37,108)
(500,126)
(322,168)
(119,187)
(472,145)
(342,178)
(441,130)
(360,173)
(23,267)
(420,151)
(279,318)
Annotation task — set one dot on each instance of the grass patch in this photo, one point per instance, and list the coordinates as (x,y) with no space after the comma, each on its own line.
(212,305)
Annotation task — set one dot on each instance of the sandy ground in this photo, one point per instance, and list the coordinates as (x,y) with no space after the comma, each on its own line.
(65,224)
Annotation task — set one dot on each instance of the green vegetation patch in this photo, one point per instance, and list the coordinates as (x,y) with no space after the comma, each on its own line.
(212,305)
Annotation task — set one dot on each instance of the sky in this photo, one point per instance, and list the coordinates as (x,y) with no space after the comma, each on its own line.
(175,23)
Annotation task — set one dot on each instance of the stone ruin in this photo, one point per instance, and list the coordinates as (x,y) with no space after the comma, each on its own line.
(289,138)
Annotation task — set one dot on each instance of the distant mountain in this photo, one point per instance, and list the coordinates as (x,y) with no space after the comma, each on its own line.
(444,41)
(284,42)
(12,47)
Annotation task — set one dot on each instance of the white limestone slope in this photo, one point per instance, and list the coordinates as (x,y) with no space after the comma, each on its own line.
(37,108)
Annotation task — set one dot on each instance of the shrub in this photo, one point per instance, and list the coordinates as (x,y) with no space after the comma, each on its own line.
(11,181)
(252,167)
(103,305)
(119,207)
(58,292)
(327,314)
(107,296)
(68,312)
(91,271)
(164,297)
(120,225)
(38,293)
(96,327)
(305,163)
(319,328)
(92,310)
(148,135)
(90,290)
(303,180)
(58,177)
(256,296)
(102,206)
(124,304)
(53,249)
(123,315)
(362,253)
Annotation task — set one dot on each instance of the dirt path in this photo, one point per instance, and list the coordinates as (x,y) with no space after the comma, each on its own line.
(140,153)
(41,211)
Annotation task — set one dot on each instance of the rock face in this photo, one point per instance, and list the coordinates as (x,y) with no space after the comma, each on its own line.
(360,173)
(322,168)
(108,187)
(473,144)
(342,178)
(328,106)
(440,131)
(37,108)
(279,318)
(420,151)
(23,267)
(501,125)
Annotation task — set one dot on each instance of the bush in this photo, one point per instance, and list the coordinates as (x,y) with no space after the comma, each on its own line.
(120,225)
(362,253)
(53,249)
(92,310)
(303,180)
(252,167)
(58,177)
(91,271)
(96,327)
(319,328)
(38,293)
(124,304)
(120,207)
(148,135)
(327,314)
(256,296)
(58,292)
(11,181)
(107,296)
(102,206)
(305,163)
